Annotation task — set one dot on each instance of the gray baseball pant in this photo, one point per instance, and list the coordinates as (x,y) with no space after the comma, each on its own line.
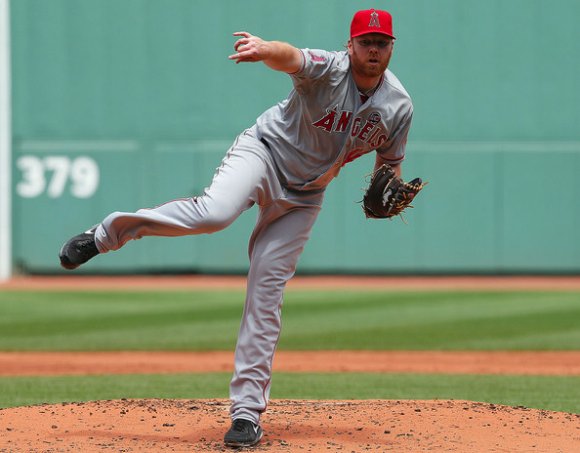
(246,176)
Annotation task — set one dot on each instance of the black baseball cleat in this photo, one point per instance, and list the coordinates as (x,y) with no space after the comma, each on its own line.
(243,433)
(78,250)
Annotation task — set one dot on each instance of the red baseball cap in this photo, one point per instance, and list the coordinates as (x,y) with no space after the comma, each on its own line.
(371,21)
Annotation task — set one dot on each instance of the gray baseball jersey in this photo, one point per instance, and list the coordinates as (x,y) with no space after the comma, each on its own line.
(323,124)
(282,164)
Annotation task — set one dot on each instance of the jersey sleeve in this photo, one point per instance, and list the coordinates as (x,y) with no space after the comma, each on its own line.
(316,65)
(393,150)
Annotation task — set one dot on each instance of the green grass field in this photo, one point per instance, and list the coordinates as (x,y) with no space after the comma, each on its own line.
(209,320)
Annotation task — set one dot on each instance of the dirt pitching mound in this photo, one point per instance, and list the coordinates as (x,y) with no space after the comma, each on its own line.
(289,426)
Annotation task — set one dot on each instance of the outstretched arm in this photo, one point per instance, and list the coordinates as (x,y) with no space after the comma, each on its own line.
(277,55)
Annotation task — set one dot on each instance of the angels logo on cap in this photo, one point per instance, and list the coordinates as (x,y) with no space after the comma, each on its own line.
(372,21)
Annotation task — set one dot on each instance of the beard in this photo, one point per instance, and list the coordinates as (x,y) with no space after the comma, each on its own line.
(369,66)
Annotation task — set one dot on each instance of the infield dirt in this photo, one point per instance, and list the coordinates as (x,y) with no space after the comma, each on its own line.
(290,426)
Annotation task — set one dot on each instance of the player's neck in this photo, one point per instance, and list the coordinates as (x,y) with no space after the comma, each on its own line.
(367,84)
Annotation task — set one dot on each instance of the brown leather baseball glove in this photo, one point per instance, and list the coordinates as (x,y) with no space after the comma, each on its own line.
(388,195)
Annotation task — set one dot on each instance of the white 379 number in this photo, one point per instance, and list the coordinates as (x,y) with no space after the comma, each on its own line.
(53,174)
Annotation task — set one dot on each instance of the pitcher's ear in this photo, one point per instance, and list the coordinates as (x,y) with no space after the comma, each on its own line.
(349,46)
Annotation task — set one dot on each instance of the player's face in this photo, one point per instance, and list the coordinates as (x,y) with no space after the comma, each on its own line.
(370,54)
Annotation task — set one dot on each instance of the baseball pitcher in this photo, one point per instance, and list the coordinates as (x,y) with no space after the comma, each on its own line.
(343,105)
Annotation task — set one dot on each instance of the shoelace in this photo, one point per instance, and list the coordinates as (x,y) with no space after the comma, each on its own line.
(239,425)
(86,242)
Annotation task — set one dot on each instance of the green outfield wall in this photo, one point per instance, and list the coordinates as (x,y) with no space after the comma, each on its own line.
(118,105)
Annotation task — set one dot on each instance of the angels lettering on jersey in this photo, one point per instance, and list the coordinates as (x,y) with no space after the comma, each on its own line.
(368,130)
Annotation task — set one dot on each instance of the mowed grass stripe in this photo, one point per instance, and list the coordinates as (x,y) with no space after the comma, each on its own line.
(550,393)
(209,320)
